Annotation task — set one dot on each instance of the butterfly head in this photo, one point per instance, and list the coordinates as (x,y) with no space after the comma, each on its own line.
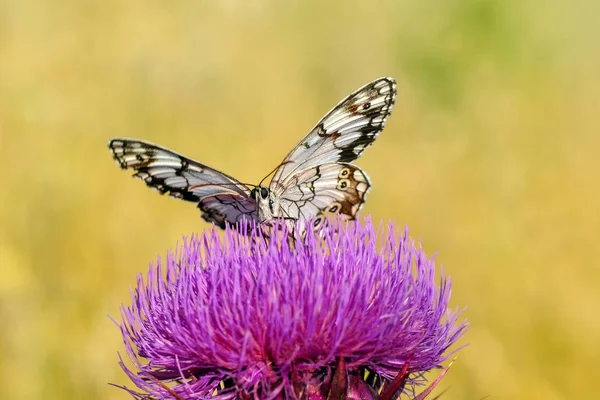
(268,206)
(259,193)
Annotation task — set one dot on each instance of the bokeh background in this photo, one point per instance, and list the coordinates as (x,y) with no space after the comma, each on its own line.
(491,156)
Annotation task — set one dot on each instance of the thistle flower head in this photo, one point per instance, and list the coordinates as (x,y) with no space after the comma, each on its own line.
(243,317)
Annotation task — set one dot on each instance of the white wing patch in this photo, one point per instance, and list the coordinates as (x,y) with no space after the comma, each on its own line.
(335,188)
(344,132)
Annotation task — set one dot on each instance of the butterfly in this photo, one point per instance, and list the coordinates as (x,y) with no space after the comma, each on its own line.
(314,180)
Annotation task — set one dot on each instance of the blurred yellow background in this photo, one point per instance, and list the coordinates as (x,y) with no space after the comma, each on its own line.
(491,156)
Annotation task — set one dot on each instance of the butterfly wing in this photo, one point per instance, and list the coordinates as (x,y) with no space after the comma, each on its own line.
(227,208)
(343,133)
(221,198)
(333,188)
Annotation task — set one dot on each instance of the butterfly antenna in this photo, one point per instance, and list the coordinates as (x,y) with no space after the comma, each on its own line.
(222,184)
(270,173)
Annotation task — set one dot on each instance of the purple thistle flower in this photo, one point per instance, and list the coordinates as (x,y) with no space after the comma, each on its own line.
(243,317)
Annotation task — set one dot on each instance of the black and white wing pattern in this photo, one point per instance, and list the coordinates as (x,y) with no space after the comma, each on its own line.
(335,188)
(316,177)
(221,198)
(344,132)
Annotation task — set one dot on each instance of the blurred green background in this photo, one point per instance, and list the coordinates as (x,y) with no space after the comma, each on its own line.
(490,156)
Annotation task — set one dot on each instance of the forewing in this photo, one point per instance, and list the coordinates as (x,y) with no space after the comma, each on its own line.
(220,197)
(333,188)
(344,132)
